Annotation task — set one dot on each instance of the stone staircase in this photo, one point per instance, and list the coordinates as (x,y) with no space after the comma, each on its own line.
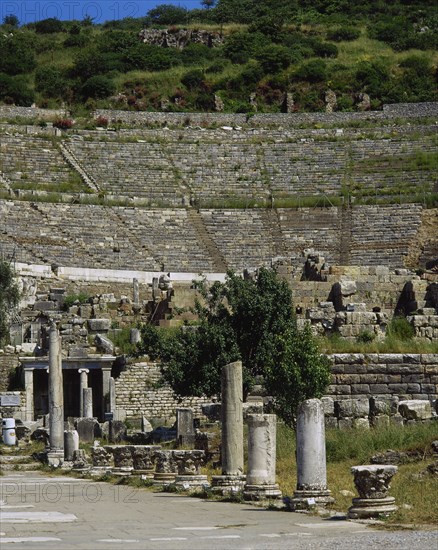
(15,459)
(345,222)
(74,163)
(219,262)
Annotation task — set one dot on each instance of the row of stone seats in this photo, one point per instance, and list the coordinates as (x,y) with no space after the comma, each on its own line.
(381,234)
(163,171)
(165,239)
(29,160)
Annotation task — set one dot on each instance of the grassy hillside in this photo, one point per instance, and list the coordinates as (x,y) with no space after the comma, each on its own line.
(270,48)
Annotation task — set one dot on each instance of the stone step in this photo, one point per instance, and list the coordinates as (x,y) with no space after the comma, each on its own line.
(26,467)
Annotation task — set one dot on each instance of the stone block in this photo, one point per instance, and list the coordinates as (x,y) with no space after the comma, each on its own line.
(380,421)
(98,325)
(415,409)
(355,408)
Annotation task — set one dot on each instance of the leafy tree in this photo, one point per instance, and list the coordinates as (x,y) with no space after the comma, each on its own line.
(249,320)
(16,89)
(343,33)
(150,57)
(274,58)
(11,20)
(17,55)
(98,87)
(167,14)
(50,81)
(312,71)
(49,26)
(9,297)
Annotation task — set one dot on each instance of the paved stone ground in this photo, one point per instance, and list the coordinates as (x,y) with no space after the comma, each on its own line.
(63,513)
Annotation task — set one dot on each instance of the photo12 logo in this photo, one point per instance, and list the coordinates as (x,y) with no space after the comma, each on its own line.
(29,11)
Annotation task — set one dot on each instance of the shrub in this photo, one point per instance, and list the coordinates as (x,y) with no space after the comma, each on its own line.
(167,14)
(102,121)
(240,47)
(150,58)
(343,33)
(274,58)
(48,26)
(50,81)
(16,90)
(63,123)
(98,87)
(193,79)
(312,71)
(399,327)
(17,55)
(325,49)
(366,336)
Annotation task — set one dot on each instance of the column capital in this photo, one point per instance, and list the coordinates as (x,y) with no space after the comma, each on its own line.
(86,371)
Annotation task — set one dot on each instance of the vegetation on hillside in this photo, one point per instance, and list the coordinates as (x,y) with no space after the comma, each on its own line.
(387,50)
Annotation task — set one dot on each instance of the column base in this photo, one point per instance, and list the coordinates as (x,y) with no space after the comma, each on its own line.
(305,500)
(261,492)
(146,474)
(55,458)
(163,478)
(372,507)
(122,471)
(225,484)
(191,482)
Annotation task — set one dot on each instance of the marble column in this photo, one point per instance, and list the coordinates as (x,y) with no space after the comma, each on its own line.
(28,385)
(56,399)
(88,402)
(311,460)
(112,395)
(83,383)
(71,443)
(260,478)
(106,375)
(232,477)
(135,290)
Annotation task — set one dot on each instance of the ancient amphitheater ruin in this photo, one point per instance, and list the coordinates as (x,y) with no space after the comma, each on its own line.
(342,203)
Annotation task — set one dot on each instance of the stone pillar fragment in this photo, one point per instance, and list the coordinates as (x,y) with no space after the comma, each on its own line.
(135,291)
(28,385)
(71,444)
(260,478)
(372,483)
(185,430)
(83,383)
(232,429)
(56,399)
(88,402)
(112,395)
(311,460)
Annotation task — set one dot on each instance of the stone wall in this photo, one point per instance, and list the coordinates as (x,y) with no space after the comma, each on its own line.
(405,110)
(7,411)
(10,112)
(137,394)
(411,376)
(354,376)
(8,362)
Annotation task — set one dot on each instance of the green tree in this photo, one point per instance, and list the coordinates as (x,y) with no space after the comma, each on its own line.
(167,14)
(17,55)
(11,20)
(249,320)
(9,297)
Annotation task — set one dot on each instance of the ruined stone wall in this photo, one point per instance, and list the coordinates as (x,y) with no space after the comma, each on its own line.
(354,376)
(13,411)
(389,112)
(137,393)
(357,375)
(10,112)
(8,362)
